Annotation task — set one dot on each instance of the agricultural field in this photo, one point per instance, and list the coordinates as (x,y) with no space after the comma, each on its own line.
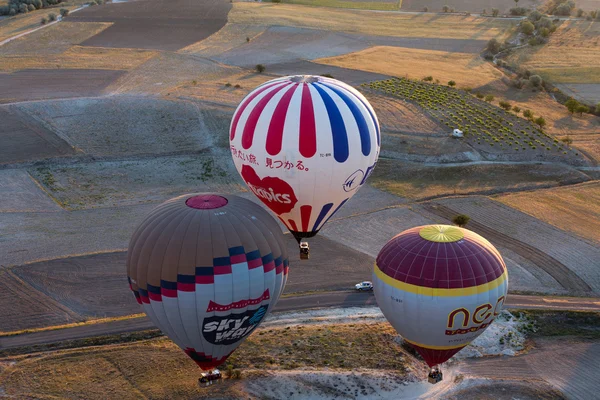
(575,208)
(19,192)
(418,182)
(384,5)
(496,133)
(370,23)
(472,6)
(468,70)
(571,57)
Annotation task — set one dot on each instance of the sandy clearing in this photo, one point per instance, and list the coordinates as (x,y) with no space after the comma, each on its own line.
(53,40)
(122,125)
(467,70)
(23,139)
(575,209)
(369,22)
(19,193)
(78,57)
(158,24)
(578,255)
(165,72)
(54,84)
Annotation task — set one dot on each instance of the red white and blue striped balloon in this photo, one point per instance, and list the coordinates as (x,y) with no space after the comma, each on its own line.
(304,145)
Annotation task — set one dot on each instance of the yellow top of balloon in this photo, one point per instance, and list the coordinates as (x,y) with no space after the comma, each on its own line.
(441,233)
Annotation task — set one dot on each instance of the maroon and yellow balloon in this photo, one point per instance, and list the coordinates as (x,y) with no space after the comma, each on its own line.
(440,287)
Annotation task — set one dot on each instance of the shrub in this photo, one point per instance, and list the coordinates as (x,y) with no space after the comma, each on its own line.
(425,9)
(495,12)
(228,84)
(518,83)
(567,140)
(545,32)
(518,11)
(428,78)
(260,68)
(582,108)
(247,39)
(563,9)
(489,98)
(44,21)
(64,12)
(23,8)
(506,105)
(535,16)
(517,109)
(237,86)
(536,80)
(30,7)
(484,12)
(276,1)
(451,83)
(494,46)
(12,12)
(38,4)
(461,220)
(540,121)
(572,105)
(479,95)
(446,9)
(597,108)
(527,27)
(580,13)
(528,114)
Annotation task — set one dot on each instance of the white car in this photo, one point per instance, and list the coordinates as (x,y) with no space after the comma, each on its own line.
(364,286)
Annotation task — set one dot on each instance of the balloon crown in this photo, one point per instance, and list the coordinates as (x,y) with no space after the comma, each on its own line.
(304,79)
(441,233)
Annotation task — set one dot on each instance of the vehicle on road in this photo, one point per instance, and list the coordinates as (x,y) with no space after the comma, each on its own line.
(209,377)
(364,286)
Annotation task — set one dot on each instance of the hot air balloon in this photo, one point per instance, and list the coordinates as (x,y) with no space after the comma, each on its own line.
(440,287)
(207,269)
(304,145)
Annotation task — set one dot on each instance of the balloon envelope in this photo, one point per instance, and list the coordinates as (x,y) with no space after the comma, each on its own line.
(440,287)
(304,145)
(207,269)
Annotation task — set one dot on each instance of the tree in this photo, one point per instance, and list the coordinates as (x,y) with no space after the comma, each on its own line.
(451,83)
(516,2)
(44,21)
(425,9)
(528,114)
(461,220)
(540,121)
(517,109)
(446,9)
(580,13)
(598,108)
(563,9)
(535,16)
(260,68)
(571,105)
(494,46)
(582,108)
(23,8)
(12,12)
(489,98)
(506,105)
(527,27)
(52,17)
(545,32)
(536,80)
(30,7)
(495,12)
(64,12)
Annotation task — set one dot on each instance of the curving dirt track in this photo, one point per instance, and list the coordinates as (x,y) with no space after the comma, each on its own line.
(563,275)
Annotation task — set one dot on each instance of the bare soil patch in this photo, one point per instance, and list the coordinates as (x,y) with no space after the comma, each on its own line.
(122,125)
(23,139)
(78,57)
(580,256)
(574,208)
(467,70)
(19,193)
(369,22)
(417,182)
(158,24)
(24,307)
(38,84)
(52,40)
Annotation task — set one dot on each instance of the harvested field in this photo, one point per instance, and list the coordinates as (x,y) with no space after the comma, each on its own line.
(38,84)
(473,6)
(91,286)
(417,182)
(369,22)
(29,237)
(467,70)
(395,115)
(78,57)
(215,92)
(227,38)
(24,139)
(151,77)
(20,23)
(154,179)
(574,208)
(580,257)
(129,371)
(374,228)
(54,39)
(389,5)
(122,125)
(23,307)
(158,24)
(19,193)
(350,76)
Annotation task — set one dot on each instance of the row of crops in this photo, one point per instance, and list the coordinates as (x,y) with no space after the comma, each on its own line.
(483,124)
